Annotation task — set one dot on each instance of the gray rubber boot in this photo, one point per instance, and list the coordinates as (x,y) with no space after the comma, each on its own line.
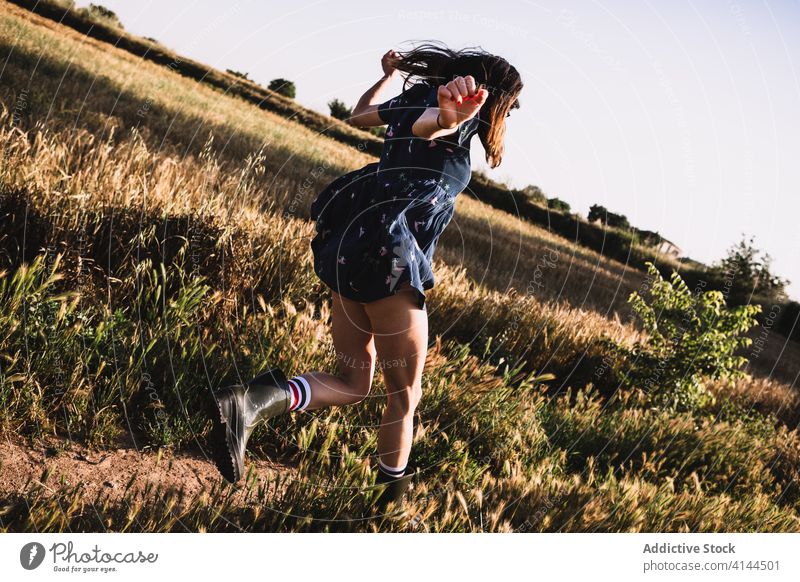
(393,488)
(236,410)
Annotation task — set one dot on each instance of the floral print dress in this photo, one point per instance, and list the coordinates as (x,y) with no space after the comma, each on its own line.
(377,227)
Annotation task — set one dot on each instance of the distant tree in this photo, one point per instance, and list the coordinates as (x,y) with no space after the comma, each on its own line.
(748,269)
(648,237)
(284,87)
(339,109)
(618,220)
(558,205)
(101,15)
(597,212)
(532,194)
(601,213)
(238,74)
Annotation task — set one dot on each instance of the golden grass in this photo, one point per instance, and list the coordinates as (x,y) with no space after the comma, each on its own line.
(262,161)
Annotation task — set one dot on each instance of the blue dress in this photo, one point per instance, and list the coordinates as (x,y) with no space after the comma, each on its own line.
(377,227)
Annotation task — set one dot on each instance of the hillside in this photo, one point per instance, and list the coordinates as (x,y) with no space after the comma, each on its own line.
(607,242)
(631,246)
(154,243)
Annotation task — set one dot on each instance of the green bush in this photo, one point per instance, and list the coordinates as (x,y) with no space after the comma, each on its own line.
(284,87)
(101,15)
(558,205)
(533,194)
(601,213)
(339,109)
(748,272)
(691,337)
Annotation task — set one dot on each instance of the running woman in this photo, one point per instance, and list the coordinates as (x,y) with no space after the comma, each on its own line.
(376,232)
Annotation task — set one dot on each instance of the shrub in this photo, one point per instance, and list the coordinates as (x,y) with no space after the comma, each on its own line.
(748,271)
(339,109)
(618,220)
(101,15)
(558,205)
(284,87)
(533,194)
(601,213)
(692,337)
(597,212)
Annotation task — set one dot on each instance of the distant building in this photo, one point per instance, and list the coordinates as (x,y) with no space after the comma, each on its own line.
(649,238)
(669,248)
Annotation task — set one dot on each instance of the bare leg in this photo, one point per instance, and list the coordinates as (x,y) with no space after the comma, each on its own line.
(400,329)
(355,355)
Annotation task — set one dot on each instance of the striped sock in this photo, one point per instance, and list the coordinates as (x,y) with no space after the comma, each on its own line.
(301,393)
(394,472)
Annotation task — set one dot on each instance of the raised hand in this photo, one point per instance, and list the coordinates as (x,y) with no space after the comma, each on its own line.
(389,62)
(460,100)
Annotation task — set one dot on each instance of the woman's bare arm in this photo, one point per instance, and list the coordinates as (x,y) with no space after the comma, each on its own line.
(365,113)
(459,101)
(427,127)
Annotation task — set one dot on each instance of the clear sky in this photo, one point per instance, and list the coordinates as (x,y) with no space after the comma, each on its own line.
(684,116)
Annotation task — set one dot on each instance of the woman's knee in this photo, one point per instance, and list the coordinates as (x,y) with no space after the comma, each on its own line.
(359,382)
(403,400)
(361,391)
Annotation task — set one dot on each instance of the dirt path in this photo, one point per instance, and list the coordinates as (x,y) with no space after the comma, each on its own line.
(110,471)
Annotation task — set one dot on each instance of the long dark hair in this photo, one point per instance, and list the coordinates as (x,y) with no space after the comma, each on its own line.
(436,64)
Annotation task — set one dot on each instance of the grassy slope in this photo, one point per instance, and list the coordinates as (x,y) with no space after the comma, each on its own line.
(536,459)
(154,52)
(481,186)
(610,242)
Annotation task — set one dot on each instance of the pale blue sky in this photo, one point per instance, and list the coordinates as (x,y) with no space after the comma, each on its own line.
(684,116)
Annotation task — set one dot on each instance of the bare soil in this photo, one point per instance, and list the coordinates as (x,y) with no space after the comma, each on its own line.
(97,471)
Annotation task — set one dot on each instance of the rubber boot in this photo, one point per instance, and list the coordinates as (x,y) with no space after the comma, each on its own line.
(394,488)
(236,410)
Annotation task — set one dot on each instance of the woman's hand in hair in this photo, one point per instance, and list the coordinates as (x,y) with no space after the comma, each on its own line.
(389,62)
(460,100)
(365,113)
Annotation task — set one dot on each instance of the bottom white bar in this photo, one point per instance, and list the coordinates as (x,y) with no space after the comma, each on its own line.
(387,557)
